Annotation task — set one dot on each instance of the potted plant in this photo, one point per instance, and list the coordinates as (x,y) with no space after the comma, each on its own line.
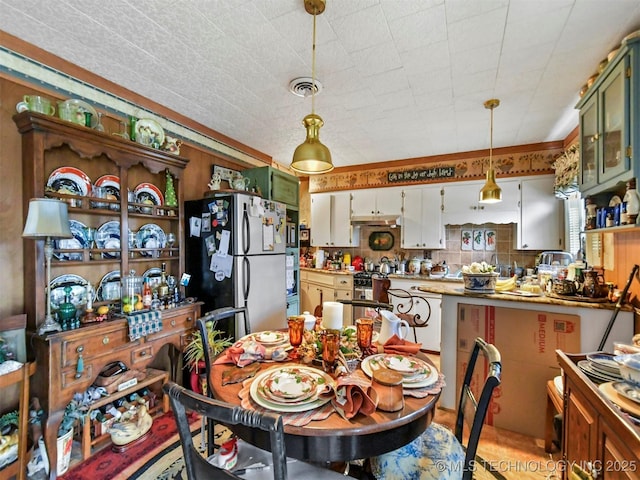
(194,351)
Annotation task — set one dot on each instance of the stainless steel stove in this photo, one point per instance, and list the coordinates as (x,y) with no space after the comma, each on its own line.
(363,289)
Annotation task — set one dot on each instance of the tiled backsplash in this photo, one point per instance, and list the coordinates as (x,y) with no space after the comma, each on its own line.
(454,254)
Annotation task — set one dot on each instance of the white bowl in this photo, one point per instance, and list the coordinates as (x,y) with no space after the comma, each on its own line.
(480,282)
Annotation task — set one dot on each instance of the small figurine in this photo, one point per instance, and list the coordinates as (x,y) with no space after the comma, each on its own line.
(214,184)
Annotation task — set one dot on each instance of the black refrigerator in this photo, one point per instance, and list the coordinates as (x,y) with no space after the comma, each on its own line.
(235,254)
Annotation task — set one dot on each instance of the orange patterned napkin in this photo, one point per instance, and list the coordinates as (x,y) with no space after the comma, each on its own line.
(242,353)
(396,345)
(354,395)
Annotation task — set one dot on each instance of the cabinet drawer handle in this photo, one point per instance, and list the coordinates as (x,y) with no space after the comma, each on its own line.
(143,353)
(189,319)
(80,366)
(173,323)
(105,340)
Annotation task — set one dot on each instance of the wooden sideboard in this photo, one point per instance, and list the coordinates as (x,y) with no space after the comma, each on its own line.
(597,437)
(69,362)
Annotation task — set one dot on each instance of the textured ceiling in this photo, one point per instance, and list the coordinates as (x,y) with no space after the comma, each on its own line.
(402,78)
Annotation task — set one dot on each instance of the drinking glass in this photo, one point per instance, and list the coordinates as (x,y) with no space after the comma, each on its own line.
(131,242)
(90,233)
(330,347)
(171,240)
(296,329)
(99,127)
(364,333)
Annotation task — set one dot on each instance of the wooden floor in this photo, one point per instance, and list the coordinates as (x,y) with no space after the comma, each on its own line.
(513,455)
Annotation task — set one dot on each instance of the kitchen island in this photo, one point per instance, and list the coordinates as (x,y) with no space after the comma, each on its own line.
(527,331)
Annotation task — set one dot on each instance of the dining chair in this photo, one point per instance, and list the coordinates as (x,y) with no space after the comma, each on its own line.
(215,316)
(276,465)
(403,302)
(439,453)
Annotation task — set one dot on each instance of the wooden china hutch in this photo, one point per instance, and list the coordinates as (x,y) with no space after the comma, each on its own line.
(69,361)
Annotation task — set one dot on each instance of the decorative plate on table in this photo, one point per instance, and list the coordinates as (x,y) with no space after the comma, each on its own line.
(269,338)
(323,381)
(149,132)
(111,183)
(109,286)
(70,181)
(150,236)
(108,237)
(78,290)
(289,385)
(373,362)
(78,242)
(154,274)
(150,194)
(80,107)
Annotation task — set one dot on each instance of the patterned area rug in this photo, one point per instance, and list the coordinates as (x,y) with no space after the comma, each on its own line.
(107,464)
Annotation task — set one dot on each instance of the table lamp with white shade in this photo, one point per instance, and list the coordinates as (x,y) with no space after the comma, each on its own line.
(47,219)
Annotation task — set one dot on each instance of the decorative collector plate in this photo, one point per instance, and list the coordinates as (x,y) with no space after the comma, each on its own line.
(148,193)
(108,237)
(70,181)
(79,241)
(78,290)
(109,287)
(373,362)
(150,236)
(149,133)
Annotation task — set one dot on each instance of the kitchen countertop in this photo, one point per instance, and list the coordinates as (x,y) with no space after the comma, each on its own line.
(453,286)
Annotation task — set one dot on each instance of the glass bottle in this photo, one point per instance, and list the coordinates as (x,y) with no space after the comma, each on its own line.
(99,127)
(147,295)
(163,287)
(132,128)
(632,200)
(155,302)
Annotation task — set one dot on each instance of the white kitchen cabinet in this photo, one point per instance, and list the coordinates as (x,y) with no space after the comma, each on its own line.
(422,218)
(461,203)
(541,225)
(331,220)
(321,219)
(377,201)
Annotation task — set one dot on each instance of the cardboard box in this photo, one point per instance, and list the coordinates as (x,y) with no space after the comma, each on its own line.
(527,341)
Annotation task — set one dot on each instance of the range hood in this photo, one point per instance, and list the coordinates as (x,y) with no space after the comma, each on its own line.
(376,220)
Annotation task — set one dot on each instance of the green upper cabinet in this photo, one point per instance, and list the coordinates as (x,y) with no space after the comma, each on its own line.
(275,185)
(608,113)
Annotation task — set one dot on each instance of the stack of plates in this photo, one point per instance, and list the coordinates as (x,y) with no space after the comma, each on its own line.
(291,389)
(600,367)
(269,338)
(416,373)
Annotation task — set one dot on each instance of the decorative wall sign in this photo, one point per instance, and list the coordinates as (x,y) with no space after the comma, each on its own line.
(421,174)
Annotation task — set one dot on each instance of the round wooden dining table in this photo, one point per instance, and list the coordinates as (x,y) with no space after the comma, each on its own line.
(336,439)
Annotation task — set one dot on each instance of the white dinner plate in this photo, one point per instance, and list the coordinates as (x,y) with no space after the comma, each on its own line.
(322,377)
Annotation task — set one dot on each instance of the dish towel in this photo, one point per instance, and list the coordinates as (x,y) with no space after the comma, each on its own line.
(143,324)
(354,395)
(396,344)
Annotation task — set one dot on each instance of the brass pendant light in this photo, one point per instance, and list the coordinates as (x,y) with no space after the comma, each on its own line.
(491,192)
(312,157)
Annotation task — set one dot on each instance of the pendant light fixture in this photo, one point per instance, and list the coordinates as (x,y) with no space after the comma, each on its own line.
(491,192)
(311,157)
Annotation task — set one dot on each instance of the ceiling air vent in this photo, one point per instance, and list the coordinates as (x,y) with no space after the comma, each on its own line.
(303,86)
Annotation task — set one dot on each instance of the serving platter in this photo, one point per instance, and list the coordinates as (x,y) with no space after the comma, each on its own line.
(324,382)
(69,181)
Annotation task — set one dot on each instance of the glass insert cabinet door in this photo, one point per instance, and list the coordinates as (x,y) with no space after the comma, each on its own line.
(589,143)
(614,114)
